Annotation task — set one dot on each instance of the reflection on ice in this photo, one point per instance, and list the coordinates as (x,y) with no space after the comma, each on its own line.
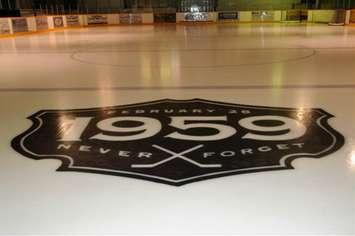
(352,159)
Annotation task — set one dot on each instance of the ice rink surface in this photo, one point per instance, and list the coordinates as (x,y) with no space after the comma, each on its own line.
(275,65)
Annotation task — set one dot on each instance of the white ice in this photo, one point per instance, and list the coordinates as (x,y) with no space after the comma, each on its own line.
(281,65)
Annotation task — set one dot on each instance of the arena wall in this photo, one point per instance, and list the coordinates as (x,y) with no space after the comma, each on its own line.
(14,25)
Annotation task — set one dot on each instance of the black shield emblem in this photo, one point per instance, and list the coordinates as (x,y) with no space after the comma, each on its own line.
(178,142)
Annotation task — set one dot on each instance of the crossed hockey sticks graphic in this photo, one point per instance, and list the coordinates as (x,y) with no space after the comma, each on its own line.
(177,155)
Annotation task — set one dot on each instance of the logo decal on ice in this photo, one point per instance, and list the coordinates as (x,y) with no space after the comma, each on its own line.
(178,142)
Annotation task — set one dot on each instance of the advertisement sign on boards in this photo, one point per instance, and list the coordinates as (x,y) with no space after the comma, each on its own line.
(42,23)
(72,20)
(165,17)
(352,16)
(135,18)
(228,15)
(4,26)
(97,20)
(131,18)
(58,21)
(19,25)
(196,16)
